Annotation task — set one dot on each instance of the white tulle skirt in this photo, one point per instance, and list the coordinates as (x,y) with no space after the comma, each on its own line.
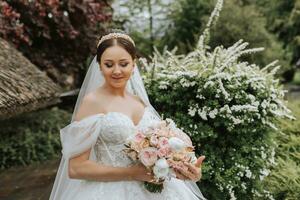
(128,190)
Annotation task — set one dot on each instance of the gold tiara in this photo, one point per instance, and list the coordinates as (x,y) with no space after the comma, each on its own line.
(115,35)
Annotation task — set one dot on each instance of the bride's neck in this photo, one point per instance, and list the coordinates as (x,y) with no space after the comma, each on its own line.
(115,91)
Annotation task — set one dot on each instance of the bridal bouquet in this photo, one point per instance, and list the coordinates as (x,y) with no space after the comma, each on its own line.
(160,148)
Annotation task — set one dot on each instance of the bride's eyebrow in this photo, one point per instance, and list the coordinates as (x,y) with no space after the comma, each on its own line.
(124,59)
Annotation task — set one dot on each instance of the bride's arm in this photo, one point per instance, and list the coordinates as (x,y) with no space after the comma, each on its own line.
(81,167)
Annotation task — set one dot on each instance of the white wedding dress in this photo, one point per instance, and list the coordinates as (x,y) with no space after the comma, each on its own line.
(110,131)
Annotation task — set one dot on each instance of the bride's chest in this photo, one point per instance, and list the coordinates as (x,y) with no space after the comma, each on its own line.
(116,128)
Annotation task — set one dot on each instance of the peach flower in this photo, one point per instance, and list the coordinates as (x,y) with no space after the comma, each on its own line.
(148,156)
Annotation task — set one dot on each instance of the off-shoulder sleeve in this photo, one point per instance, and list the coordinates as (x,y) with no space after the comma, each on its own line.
(78,136)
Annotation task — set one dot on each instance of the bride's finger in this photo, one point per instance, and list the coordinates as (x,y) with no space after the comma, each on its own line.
(197,171)
(180,176)
(199,161)
(192,168)
(186,173)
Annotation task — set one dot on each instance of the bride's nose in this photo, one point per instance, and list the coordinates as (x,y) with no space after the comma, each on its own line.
(117,70)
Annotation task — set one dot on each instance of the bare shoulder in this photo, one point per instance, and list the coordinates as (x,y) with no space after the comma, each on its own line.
(138,99)
(87,107)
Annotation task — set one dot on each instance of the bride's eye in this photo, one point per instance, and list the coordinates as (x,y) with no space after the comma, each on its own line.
(108,65)
(124,64)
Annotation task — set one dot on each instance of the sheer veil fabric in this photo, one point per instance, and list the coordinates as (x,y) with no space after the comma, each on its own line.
(93,80)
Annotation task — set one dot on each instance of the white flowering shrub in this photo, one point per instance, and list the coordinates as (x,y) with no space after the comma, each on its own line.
(228,107)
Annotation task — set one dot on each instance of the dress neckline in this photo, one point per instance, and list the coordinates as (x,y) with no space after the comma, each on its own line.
(116,112)
(129,118)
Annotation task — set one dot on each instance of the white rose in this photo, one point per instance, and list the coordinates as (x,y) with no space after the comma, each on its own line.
(176,144)
(161,168)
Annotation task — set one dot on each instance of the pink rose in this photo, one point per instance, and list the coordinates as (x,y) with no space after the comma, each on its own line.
(139,137)
(148,156)
(163,142)
(163,152)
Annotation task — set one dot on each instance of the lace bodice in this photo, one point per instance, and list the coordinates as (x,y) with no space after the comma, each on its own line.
(116,129)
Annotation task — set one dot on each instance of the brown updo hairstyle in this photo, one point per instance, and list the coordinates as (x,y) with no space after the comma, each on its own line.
(126,44)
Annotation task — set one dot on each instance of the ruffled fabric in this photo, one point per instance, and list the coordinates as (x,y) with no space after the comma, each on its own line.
(79,136)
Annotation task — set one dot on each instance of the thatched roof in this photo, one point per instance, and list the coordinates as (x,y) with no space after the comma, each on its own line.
(23,87)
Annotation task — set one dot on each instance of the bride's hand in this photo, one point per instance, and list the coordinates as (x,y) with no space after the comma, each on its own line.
(175,165)
(190,171)
(141,173)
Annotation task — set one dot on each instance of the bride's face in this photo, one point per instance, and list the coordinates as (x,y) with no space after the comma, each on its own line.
(117,66)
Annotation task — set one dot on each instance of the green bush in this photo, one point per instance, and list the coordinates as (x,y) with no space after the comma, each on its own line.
(284,179)
(31,137)
(228,107)
(235,134)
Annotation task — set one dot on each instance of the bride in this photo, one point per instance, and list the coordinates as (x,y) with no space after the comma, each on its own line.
(112,103)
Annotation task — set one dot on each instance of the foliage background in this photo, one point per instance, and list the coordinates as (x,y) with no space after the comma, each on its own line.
(59,36)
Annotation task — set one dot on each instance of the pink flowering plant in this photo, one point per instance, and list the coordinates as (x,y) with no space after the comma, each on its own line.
(161,148)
